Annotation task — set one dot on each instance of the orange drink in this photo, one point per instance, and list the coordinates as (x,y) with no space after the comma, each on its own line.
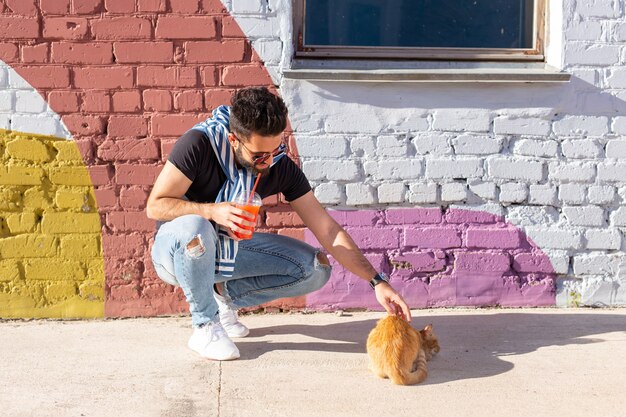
(250,209)
(251,205)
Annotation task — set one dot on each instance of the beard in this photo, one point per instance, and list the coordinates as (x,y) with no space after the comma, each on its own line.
(239,158)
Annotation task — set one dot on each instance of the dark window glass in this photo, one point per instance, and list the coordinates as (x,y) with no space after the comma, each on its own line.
(420,23)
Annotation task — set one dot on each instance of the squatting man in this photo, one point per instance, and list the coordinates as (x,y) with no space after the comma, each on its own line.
(195,246)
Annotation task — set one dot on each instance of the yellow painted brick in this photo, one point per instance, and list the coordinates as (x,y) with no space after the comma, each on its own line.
(60,291)
(53,269)
(21,175)
(91,290)
(28,246)
(72,200)
(10,199)
(37,198)
(95,270)
(29,149)
(67,151)
(70,223)
(22,222)
(69,175)
(9,270)
(81,246)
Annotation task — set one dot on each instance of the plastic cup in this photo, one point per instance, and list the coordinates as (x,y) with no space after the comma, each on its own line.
(252,206)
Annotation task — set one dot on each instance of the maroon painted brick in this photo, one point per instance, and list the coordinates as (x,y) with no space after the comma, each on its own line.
(15,27)
(230,28)
(126,101)
(174,124)
(124,292)
(188,100)
(166,148)
(157,100)
(70,28)
(82,53)
(136,174)
(209,76)
(8,52)
(152,6)
(125,221)
(186,27)
(432,237)
(63,101)
(49,76)
(120,28)
(375,238)
(123,246)
(105,198)
(84,125)
(493,238)
(245,75)
(174,76)
(128,150)
(61,7)
(86,6)
(22,7)
(127,126)
(481,262)
(96,101)
(184,6)
(413,216)
(229,51)
(133,198)
(100,174)
(119,6)
(214,98)
(103,77)
(143,52)
(35,53)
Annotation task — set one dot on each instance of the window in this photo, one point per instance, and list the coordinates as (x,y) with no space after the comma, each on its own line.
(421,29)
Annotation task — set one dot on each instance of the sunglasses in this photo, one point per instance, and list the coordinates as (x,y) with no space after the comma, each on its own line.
(261,157)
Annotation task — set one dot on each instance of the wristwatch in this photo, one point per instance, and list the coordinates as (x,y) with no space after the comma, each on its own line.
(378,278)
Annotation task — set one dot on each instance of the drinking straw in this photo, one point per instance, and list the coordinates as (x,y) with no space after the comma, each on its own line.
(258,177)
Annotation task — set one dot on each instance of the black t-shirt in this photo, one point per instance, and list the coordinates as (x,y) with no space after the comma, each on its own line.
(193,155)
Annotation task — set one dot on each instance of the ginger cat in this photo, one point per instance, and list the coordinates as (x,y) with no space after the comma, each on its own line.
(399,352)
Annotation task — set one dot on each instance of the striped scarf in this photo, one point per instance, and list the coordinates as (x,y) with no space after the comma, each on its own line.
(216,130)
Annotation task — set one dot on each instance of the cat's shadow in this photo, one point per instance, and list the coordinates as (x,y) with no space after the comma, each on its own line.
(472,345)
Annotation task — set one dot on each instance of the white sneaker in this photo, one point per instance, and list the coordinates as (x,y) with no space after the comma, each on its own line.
(211,342)
(229,319)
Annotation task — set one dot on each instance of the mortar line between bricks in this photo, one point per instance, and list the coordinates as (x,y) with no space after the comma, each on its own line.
(219,390)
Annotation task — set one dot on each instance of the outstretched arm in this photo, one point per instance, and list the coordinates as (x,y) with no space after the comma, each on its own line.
(341,246)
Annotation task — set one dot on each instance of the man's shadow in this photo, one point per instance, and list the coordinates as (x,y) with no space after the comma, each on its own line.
(472,346)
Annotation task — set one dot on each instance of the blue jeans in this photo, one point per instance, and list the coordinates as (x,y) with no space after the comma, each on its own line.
(267,267)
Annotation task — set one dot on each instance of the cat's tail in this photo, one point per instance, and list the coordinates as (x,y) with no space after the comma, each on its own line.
(401,377)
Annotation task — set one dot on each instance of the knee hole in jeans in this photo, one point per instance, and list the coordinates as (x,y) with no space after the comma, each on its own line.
(322,258)
(195,247)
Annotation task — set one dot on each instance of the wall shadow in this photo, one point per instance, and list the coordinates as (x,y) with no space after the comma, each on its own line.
(472,346)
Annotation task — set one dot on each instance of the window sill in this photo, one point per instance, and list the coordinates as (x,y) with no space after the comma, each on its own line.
(413,72)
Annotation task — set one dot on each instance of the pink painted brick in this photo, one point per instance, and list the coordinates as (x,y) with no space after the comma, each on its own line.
(420,262)
(229,51)
(368,238)
(432,237)
(124,221)
(356,218)
(184,6)
(127,126)
(70,28)
(413,216)
(82,53)
(104,77)
(123,246)
(133,198)
(186,27)
(127,101)
(128,150)
(230,28)
(96,101)
(216,97)
(120,28)
(532,262)
(15,27)
(8,52)
(175,76)
(119,6)
(470,216)
(166,147)
(157,100)
(35,53)
(100,174)
(63,101)
(143,52)
(61,7)
(86,6)
(174,124)
(22,7)
(209,76)
(154,6)
(481,262)
(47,76)
(136,174)
(84,125)
(245,75)
(493,238)
(188,100)
(105,198)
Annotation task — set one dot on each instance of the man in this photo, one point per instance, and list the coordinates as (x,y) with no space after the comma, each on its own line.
(195,246)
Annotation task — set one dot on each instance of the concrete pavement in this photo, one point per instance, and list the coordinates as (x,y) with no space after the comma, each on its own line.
(531,362)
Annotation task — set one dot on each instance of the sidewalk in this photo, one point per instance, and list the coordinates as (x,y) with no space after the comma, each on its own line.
(501,362)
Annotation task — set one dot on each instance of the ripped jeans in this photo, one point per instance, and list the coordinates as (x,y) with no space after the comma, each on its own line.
(267,267)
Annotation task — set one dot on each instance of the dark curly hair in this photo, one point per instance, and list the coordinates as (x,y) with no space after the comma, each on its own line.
(256,110)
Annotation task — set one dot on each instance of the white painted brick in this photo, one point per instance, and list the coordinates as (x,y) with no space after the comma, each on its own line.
(487,190)
(618,217)
(5,121)
(454,168)
(259,27)
(306,123)
(6,100)
(608,239)
(539,148)
(391,193)
(572,193)
(619,125)
(453,191)
(358,194)
(468,144)
(589,76)
(584,31)
(391,146)
(414,123)
(513,192)
(270,50)
(491,208)
(572,171)
(616,78)
(248,6)
(581,148)
(363,146)
(16,81)
(532,216)
(331,170)
(559,260)
(461,120)
(521,126)
(36,124)
(423,193)
(612,172)
(432,143)
(342,122)
(394,169)
(578,53)
(322,147)
(582,125)
(616,149)
(329,193)
(555,238)
(619,32)
(29,101)
(542,194)
(596,264)
(601,194)
(584,216)
(598,8)
(3,77)
(515,169)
